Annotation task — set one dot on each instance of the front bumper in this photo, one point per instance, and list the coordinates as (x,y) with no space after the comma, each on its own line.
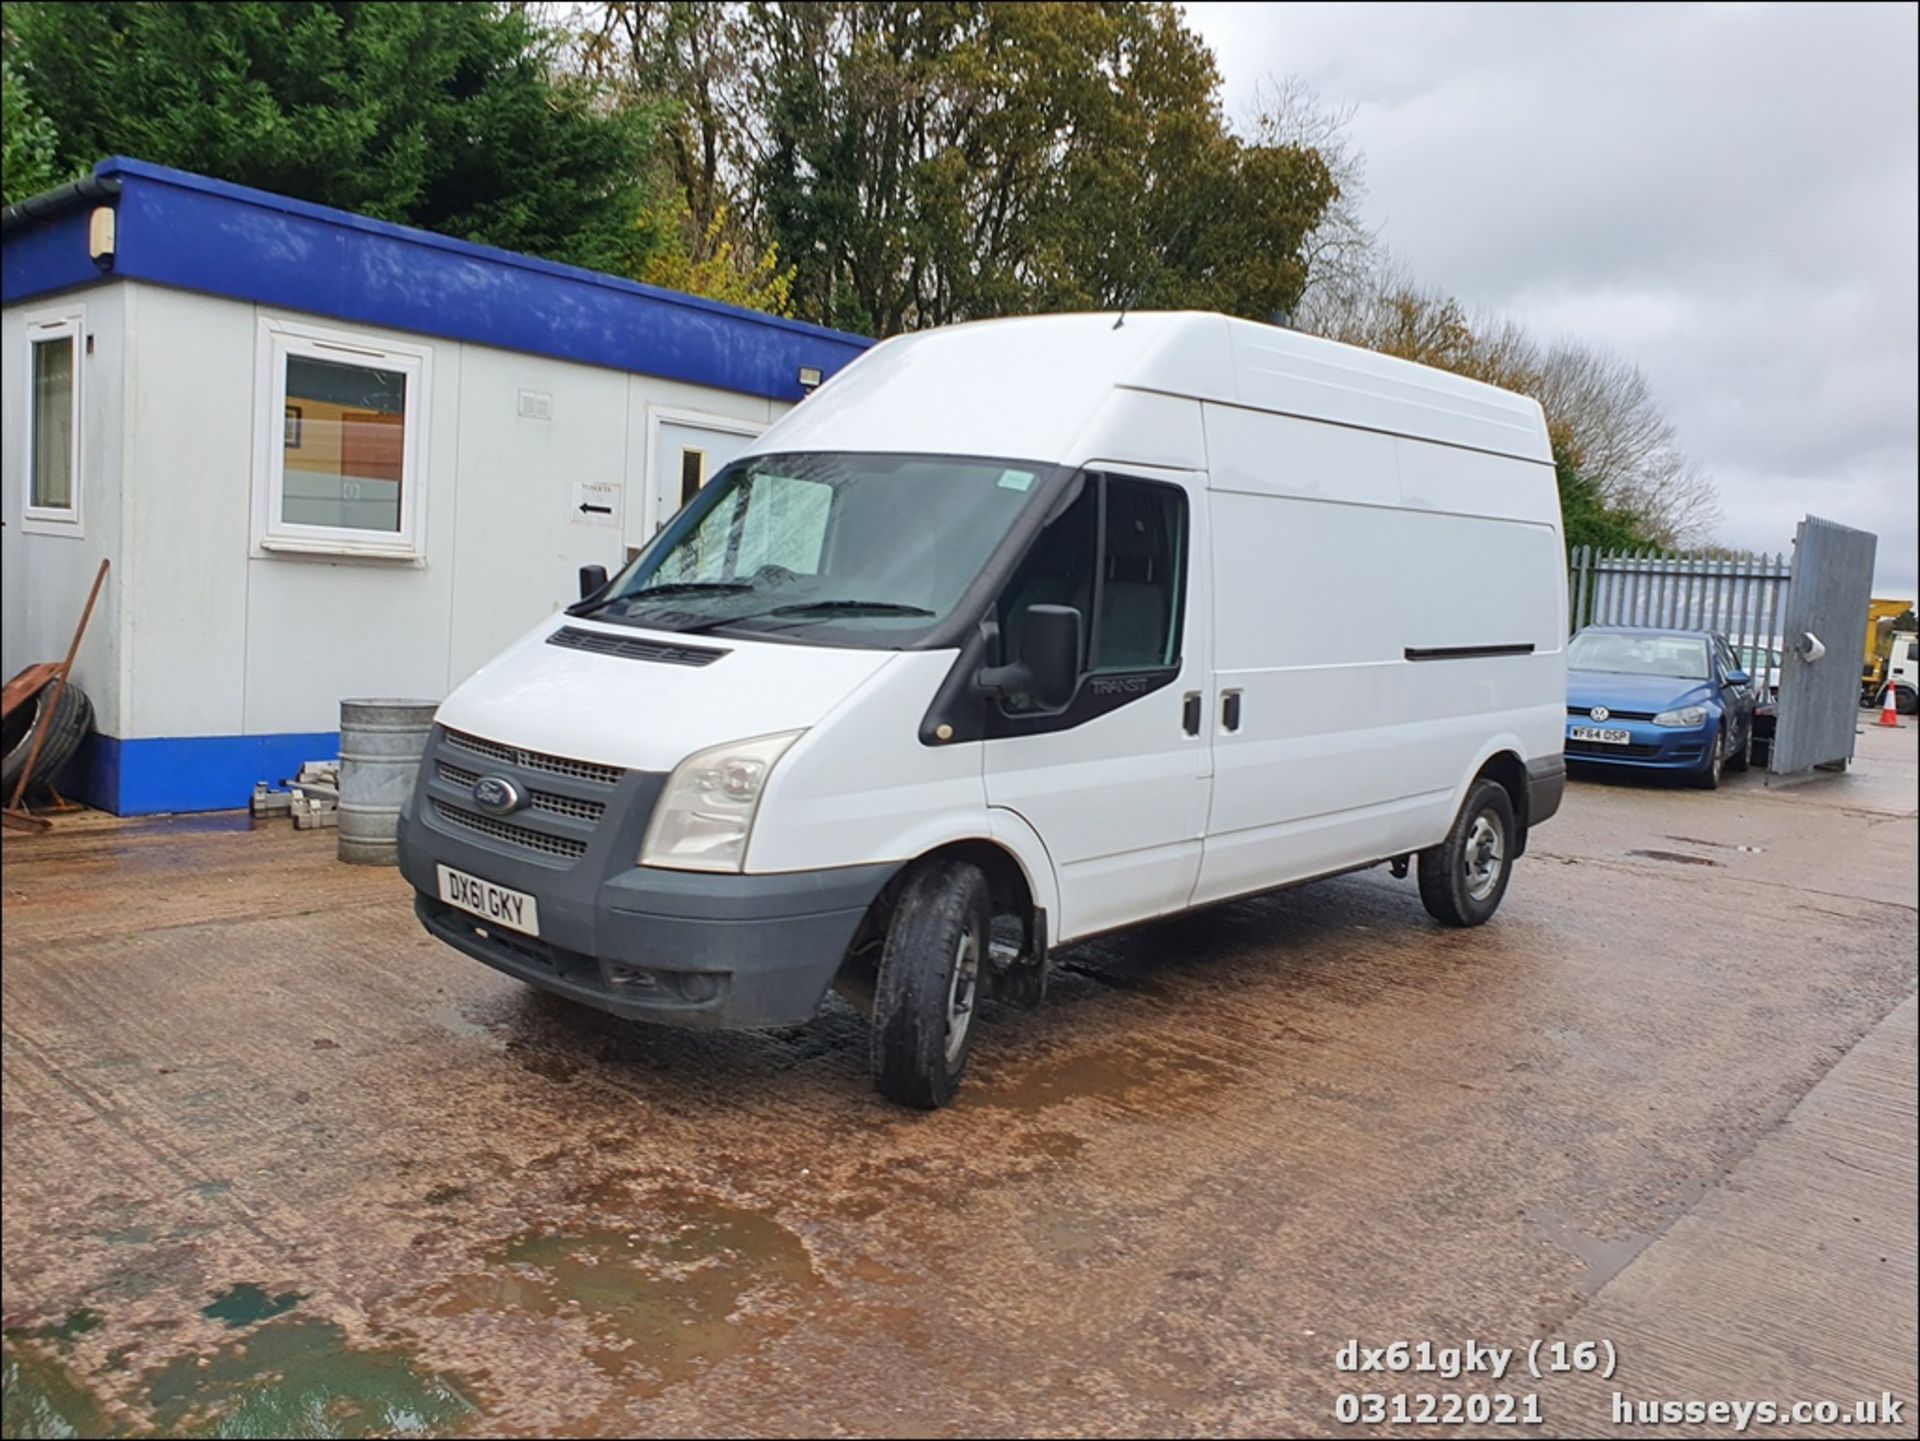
(684,948)
(1650,747)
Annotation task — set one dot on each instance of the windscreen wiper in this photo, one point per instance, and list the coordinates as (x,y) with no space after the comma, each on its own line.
(865,607)
(678,587)
(807,607)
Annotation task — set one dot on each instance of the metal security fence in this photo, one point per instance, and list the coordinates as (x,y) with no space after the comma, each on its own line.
(1744,597)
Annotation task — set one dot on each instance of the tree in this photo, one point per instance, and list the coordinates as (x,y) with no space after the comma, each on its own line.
(439,115)
(916,164)
(927,164)
(711,268)
(27,141)
(1339,252)
(679,65)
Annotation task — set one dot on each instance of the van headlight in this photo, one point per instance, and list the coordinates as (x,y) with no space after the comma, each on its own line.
(704,816)
(1687,715)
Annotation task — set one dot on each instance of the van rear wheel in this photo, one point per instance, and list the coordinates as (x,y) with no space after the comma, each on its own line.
(928,992)
(1464,877)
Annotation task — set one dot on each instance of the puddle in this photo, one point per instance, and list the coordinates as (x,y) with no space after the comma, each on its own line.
(1050,1145)
(1137,1077)
(1676,857)
(300,1378)
(74,1323)
(246,1303)
(1065,1235)
(453,1019)
(691,1281)
(1603,1259)
(41,1397)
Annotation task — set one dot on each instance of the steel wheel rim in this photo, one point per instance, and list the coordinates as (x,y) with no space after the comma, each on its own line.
(962,991)
(1483,854)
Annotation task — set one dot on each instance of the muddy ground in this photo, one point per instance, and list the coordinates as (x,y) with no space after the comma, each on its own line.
(276,1161)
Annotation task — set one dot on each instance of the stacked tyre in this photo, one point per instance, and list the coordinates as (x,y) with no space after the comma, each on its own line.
(64,720)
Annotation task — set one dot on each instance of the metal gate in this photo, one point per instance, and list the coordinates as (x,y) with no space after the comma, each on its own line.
(1825,623)
(1768,609)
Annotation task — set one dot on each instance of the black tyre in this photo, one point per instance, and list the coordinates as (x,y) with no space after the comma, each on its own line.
(66,723)
(1707,778)
(1464,877)
(1906,700)
(928,992)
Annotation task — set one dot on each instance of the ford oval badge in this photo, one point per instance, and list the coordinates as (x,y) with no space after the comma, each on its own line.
(497,796)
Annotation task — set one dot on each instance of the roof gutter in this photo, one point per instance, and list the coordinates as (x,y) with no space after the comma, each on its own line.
(52,204)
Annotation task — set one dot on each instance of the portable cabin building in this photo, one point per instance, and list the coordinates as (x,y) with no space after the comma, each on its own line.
(328,457)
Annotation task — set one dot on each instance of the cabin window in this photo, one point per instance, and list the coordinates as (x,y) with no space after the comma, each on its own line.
(52,431)
(341,422)
(1118,556)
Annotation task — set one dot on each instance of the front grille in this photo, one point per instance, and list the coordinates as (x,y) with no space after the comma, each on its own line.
(1583,712)
(632,648)
(536,760)
(565,847)
(548,801)
(1600,748)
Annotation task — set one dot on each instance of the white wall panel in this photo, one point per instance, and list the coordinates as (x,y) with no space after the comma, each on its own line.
(47,576)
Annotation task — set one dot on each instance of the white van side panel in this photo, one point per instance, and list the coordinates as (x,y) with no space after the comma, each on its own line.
(1261,454)
(1471,482)
(1293,374)
(1348,752)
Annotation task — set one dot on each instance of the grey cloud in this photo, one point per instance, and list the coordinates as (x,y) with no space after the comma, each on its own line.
(1726,195)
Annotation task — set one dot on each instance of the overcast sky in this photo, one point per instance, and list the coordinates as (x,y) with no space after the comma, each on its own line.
(1726,195)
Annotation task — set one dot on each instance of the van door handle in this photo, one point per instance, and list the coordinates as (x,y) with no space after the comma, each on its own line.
(1190,714)
(1230,710)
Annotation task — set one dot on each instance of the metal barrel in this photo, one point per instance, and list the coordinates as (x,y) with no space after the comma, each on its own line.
(381,742)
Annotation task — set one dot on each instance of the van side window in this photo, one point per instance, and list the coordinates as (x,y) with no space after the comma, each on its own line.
(1058,570)
(1143,577)
(1118,556)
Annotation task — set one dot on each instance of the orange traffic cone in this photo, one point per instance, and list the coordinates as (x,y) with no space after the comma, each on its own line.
(1889,713)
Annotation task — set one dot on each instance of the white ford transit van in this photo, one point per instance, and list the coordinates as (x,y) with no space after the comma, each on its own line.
(1015,633)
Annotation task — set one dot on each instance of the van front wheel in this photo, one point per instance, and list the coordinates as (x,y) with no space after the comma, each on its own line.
(1463,878)
(927,996)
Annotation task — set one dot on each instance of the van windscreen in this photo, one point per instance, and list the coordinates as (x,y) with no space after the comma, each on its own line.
(841,549)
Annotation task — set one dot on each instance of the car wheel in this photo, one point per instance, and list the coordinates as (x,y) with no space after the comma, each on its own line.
(1464,877)
(1905,699)
(1707,778)
(928,992)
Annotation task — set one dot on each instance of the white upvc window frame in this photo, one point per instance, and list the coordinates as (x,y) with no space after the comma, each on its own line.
(42,326)
(272,535)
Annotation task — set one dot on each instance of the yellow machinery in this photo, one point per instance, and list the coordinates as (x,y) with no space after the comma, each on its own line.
(1881,615)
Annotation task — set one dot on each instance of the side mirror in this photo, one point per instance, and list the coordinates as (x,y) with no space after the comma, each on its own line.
(1050,650)
(1739,677)
(593,580)
(1049,665)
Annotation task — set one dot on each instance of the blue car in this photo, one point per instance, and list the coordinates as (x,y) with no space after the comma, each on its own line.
(1669,700)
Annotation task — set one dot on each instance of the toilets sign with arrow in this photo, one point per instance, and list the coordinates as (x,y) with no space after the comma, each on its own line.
(595,504)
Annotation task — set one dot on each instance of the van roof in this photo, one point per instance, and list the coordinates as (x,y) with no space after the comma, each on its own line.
(1031,386)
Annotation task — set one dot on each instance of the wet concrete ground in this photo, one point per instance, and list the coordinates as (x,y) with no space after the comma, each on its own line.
(275,1161)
